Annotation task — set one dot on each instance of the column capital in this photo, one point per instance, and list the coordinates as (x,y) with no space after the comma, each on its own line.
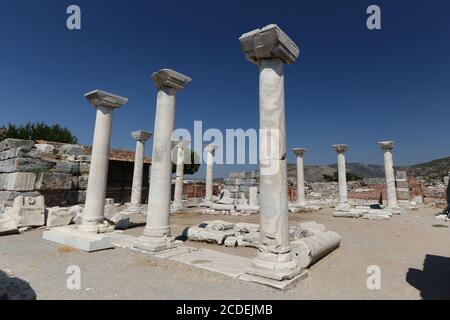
(100,98)
(210,147)
(340,148)
(170,78)
(386,145)
(267,43)
(299,152)
(141,135)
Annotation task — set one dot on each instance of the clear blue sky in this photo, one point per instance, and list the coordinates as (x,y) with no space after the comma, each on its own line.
(350,85)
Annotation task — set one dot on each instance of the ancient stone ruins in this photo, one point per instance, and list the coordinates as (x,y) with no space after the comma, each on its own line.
(64,188)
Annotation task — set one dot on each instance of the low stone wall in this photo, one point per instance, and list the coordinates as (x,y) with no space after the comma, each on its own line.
(30,169)
(239,183)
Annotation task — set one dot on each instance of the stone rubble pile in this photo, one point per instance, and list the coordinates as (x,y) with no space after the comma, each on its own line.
(29,169)
(310,241)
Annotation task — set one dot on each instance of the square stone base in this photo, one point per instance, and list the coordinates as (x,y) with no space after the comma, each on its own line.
(155,245)
(276,275)
(72,237)
(282,285)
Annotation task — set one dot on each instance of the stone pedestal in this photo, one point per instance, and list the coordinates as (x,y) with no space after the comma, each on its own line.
(210,152)
(392,202)
(179,178)
(141,137)
(105,103)
(301,199)
(270,49)
(342,173)
(156,235)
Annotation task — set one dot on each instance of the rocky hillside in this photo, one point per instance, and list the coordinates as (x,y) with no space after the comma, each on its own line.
(435,169)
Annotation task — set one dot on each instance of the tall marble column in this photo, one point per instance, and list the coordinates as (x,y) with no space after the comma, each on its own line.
(270,49)
(156,235)
(105,103)
(179,178)
(301,199)
(392,202)
(342,175)
(141,137)
(210,150)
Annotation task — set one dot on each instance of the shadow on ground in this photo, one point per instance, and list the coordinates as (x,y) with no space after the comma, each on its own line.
(433,281)
(13,288)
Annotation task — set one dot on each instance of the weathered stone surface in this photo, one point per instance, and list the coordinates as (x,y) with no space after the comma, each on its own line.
(83,182)
(7,197)
(377,215)
(308,229)
(45,148)
(54,181)
(308,251)
(29,211)
(64,166)
(71,149)
(244,227)
(217,225)
(18,181)
(7,224)
(207,235)
(57,217)
(248,240)
(16,143)
(25,165)
(219,206)
(20,153)
(230,242)
(84,168)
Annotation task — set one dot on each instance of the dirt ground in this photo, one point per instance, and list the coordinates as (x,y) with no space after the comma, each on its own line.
(411,251)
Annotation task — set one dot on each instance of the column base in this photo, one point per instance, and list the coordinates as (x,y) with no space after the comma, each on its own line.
(177,207)
(395,210)
(342,207)
(134,209)
(96,227)
(274,266)
(156,244)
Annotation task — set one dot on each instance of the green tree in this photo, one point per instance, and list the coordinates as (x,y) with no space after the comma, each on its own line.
(191,165)
(37,131)
(335,177)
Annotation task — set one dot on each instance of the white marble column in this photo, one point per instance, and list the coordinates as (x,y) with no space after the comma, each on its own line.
(270,49)
(210,150)
(342,175)
(141,137)
(156,235)
(392,202)
(179,178)
(301,199)
(93,216)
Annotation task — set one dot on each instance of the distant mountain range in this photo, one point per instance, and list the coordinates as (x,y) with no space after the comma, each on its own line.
(435,169)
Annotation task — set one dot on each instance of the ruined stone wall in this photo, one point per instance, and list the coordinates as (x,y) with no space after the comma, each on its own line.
(27,168)
(240,182)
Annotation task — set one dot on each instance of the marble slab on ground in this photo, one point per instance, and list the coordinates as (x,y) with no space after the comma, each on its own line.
(223,263)
(122,240)
(72,237)
(282,285)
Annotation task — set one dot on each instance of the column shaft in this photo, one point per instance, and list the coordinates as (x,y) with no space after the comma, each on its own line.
(98,173)
(209,176)
(136,191)
(342,173)
(301,200)
(390,180)
(161,170)
(178,196)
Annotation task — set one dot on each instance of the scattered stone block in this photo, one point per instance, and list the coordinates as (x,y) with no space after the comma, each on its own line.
(230,242)
(219,206)
(7,225)
(7,197)
(244,227)
(377,215)
(308,229)
(248,240)
(218,225)
(29,211)
(57,217)
(210,236)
